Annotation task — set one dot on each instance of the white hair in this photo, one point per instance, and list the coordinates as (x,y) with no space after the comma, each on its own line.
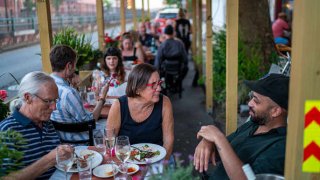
(31,83)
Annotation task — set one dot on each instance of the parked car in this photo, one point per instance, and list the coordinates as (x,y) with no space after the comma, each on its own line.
(163,15)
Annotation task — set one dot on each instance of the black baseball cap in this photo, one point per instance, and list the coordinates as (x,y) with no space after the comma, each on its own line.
(274,86)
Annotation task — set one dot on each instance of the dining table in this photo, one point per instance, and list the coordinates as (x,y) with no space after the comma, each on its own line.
(140,174)
(137,175)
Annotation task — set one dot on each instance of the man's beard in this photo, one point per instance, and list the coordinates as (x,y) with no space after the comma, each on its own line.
(261,120)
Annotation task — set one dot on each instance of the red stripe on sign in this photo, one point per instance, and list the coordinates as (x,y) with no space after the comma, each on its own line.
(311,149)
(312,115)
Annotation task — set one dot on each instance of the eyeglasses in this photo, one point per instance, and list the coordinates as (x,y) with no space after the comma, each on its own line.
(48,101)
(155,85)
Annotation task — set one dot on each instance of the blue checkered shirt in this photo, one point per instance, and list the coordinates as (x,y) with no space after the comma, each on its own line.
(69,109)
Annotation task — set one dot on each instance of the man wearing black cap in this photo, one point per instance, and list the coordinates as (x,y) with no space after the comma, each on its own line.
(260,142)
(172,50)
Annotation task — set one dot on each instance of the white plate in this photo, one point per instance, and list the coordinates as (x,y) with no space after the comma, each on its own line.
(134,166)
(154,147)
(104,171)
(83,150)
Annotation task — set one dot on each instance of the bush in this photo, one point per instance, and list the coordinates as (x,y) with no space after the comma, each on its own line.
(15,140)
(248,69)
(79,42)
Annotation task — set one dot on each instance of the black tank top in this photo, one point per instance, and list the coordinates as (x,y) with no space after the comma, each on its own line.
(148,131)
(131,58)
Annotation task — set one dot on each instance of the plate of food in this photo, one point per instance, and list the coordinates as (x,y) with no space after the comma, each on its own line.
(132,168)
(105,170)
(84,153)
(144,153)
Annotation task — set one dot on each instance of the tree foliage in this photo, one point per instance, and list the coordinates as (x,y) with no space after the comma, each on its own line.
(173,2)
(29,4)
(107,4)
(56,4)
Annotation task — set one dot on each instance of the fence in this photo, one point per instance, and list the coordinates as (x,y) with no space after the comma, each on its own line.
(29,25)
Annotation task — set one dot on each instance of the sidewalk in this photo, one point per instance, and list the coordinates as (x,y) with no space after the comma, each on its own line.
(189,115)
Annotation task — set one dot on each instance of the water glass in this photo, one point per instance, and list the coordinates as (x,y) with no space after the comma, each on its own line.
(84,167)
(110,139)
(65,157)
(99,142)
(119,170)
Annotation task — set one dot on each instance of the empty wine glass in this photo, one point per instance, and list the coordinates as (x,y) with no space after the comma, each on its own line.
(99,143)
(65,157)
(123,151)
(110,139)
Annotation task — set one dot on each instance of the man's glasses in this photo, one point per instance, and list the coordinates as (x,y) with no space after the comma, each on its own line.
(154,85)
(48,101)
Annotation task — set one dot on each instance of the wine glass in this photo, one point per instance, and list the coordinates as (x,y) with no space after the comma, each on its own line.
(99,143)
(123,151)
(64,157)
(110,139)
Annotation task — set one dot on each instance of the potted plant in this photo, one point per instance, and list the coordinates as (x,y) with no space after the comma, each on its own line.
(86,53)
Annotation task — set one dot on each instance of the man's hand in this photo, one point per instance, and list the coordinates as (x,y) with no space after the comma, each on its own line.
(51,157)
(208,132)
(203,153)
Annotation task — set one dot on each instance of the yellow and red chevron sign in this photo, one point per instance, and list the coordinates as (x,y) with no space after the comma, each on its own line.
(311,144)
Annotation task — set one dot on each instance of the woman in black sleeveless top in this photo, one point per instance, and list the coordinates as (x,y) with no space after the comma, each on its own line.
(144,114)
(129,51)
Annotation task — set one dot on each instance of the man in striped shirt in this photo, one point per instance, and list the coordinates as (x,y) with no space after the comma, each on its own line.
(70,107)
(38,95)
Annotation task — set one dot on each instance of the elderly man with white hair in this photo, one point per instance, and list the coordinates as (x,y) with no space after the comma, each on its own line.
(38,95)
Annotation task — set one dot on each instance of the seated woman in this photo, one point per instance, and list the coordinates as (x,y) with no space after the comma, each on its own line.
(131,51)
(112,72)
(144,114)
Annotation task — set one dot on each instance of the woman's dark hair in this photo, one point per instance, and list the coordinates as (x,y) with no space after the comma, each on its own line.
(138,78)
(113,51)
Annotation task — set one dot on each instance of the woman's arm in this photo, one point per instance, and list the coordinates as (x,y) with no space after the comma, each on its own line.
(167,126)
(140,53)
(114,117)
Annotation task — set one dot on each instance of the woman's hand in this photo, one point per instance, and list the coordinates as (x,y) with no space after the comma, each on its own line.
(105,90)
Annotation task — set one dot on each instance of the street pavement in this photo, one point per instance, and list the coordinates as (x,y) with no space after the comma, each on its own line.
(189,115)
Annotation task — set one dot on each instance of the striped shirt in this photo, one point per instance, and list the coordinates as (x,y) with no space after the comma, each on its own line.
(69,109)
(39,141)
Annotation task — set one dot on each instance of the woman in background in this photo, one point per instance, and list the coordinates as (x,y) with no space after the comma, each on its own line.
(112,72)
(130,51)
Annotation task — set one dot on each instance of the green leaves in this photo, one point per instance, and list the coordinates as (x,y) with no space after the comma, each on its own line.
(4,109)
(10,142)
(79,43)
(249,68)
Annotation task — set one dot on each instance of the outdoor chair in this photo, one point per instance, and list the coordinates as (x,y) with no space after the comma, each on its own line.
(87,126)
